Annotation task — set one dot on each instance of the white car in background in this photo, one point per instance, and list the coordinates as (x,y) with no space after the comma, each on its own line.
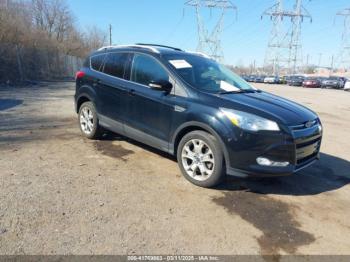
(347,86)
(271,80)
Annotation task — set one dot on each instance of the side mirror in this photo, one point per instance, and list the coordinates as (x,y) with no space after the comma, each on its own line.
(161,85)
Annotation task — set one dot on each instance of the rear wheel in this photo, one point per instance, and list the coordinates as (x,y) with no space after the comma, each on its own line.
(201,159)
(88,121)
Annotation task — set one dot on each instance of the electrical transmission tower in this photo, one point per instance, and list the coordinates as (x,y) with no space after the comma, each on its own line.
(344,56)
(276,51)
(284,48)
(209,41)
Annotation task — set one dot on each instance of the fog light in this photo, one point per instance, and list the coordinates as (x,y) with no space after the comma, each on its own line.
(262,161)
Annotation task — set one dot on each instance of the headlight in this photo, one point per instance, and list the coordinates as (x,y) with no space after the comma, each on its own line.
(248,121)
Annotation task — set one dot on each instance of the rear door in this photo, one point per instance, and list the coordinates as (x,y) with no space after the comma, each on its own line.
(150,111)
(113,91)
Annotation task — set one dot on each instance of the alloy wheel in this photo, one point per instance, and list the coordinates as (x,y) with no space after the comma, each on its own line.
(198,159)
(86,120)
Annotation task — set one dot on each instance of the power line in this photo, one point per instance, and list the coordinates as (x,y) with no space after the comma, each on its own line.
(210,41)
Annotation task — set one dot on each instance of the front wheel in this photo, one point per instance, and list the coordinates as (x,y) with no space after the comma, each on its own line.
(201,159)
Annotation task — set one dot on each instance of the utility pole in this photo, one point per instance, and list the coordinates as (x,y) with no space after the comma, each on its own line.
(344,56)
(332,63)
(284,47)
(320,59)
(209,41)
(110,34)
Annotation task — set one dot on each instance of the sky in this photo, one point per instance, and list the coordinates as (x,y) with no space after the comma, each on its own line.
(245,36)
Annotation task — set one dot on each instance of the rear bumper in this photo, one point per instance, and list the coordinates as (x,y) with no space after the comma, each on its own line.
(300,147)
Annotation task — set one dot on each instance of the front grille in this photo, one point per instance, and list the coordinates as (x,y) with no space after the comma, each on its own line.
(305,153)
(307,138)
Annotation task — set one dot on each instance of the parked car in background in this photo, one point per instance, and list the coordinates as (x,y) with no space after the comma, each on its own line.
(259,79)
(347,86)
(312,82)
(251,78)
(271,80)
(295,80)
(283,79)
(245,77)
(333,82)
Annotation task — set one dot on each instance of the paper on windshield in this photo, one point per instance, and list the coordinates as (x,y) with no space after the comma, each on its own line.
(228,87)
(180,64)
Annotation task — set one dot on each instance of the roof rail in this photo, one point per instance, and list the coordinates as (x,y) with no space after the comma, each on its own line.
(156,45)
(154,50)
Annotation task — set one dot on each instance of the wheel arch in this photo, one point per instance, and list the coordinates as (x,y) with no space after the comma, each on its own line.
(194,126)
(86,93)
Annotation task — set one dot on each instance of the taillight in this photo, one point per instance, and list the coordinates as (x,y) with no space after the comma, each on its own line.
(79,74)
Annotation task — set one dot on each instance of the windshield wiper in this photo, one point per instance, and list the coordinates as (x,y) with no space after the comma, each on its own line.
(239,92)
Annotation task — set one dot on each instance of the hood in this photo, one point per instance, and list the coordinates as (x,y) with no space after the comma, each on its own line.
(270,106)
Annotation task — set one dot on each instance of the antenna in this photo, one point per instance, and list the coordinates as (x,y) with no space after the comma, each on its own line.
(210,42)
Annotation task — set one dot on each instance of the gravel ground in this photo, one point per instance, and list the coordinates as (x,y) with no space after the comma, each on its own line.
(62,194)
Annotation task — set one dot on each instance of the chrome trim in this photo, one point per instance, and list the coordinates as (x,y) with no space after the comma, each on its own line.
(154,50)
(307,151)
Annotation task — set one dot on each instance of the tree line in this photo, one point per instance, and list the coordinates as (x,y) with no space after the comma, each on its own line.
(40,40)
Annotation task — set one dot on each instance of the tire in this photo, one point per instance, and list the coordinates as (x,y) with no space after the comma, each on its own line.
(209,159)
(92,130)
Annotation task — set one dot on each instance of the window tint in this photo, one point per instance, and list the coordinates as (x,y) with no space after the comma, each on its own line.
(115,64)
(146,69)
(97,61)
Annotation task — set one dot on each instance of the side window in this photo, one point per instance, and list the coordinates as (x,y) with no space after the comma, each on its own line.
(146,69)
(97,61)
(115,64)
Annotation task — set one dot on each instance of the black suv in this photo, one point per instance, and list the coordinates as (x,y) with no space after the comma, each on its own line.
(188,105)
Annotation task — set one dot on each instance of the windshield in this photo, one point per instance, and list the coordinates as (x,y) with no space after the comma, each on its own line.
(207,75)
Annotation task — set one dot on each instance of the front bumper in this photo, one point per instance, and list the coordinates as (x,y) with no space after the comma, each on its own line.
(297,145)
(330,85)
(295,83)
(312,85)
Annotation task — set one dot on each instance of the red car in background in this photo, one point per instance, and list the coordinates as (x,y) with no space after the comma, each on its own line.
(312,82)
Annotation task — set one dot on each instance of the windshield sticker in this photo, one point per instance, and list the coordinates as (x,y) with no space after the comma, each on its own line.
(180,64)
(228,87)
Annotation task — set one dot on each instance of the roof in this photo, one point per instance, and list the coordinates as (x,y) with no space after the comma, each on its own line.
(150,48)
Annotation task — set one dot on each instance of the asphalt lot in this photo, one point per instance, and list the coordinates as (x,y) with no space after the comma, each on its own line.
(62,194)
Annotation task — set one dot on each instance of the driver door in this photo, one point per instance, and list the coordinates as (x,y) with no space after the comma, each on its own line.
(150,110)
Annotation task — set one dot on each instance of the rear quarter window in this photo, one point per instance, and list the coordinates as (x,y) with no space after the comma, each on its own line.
(97,62)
